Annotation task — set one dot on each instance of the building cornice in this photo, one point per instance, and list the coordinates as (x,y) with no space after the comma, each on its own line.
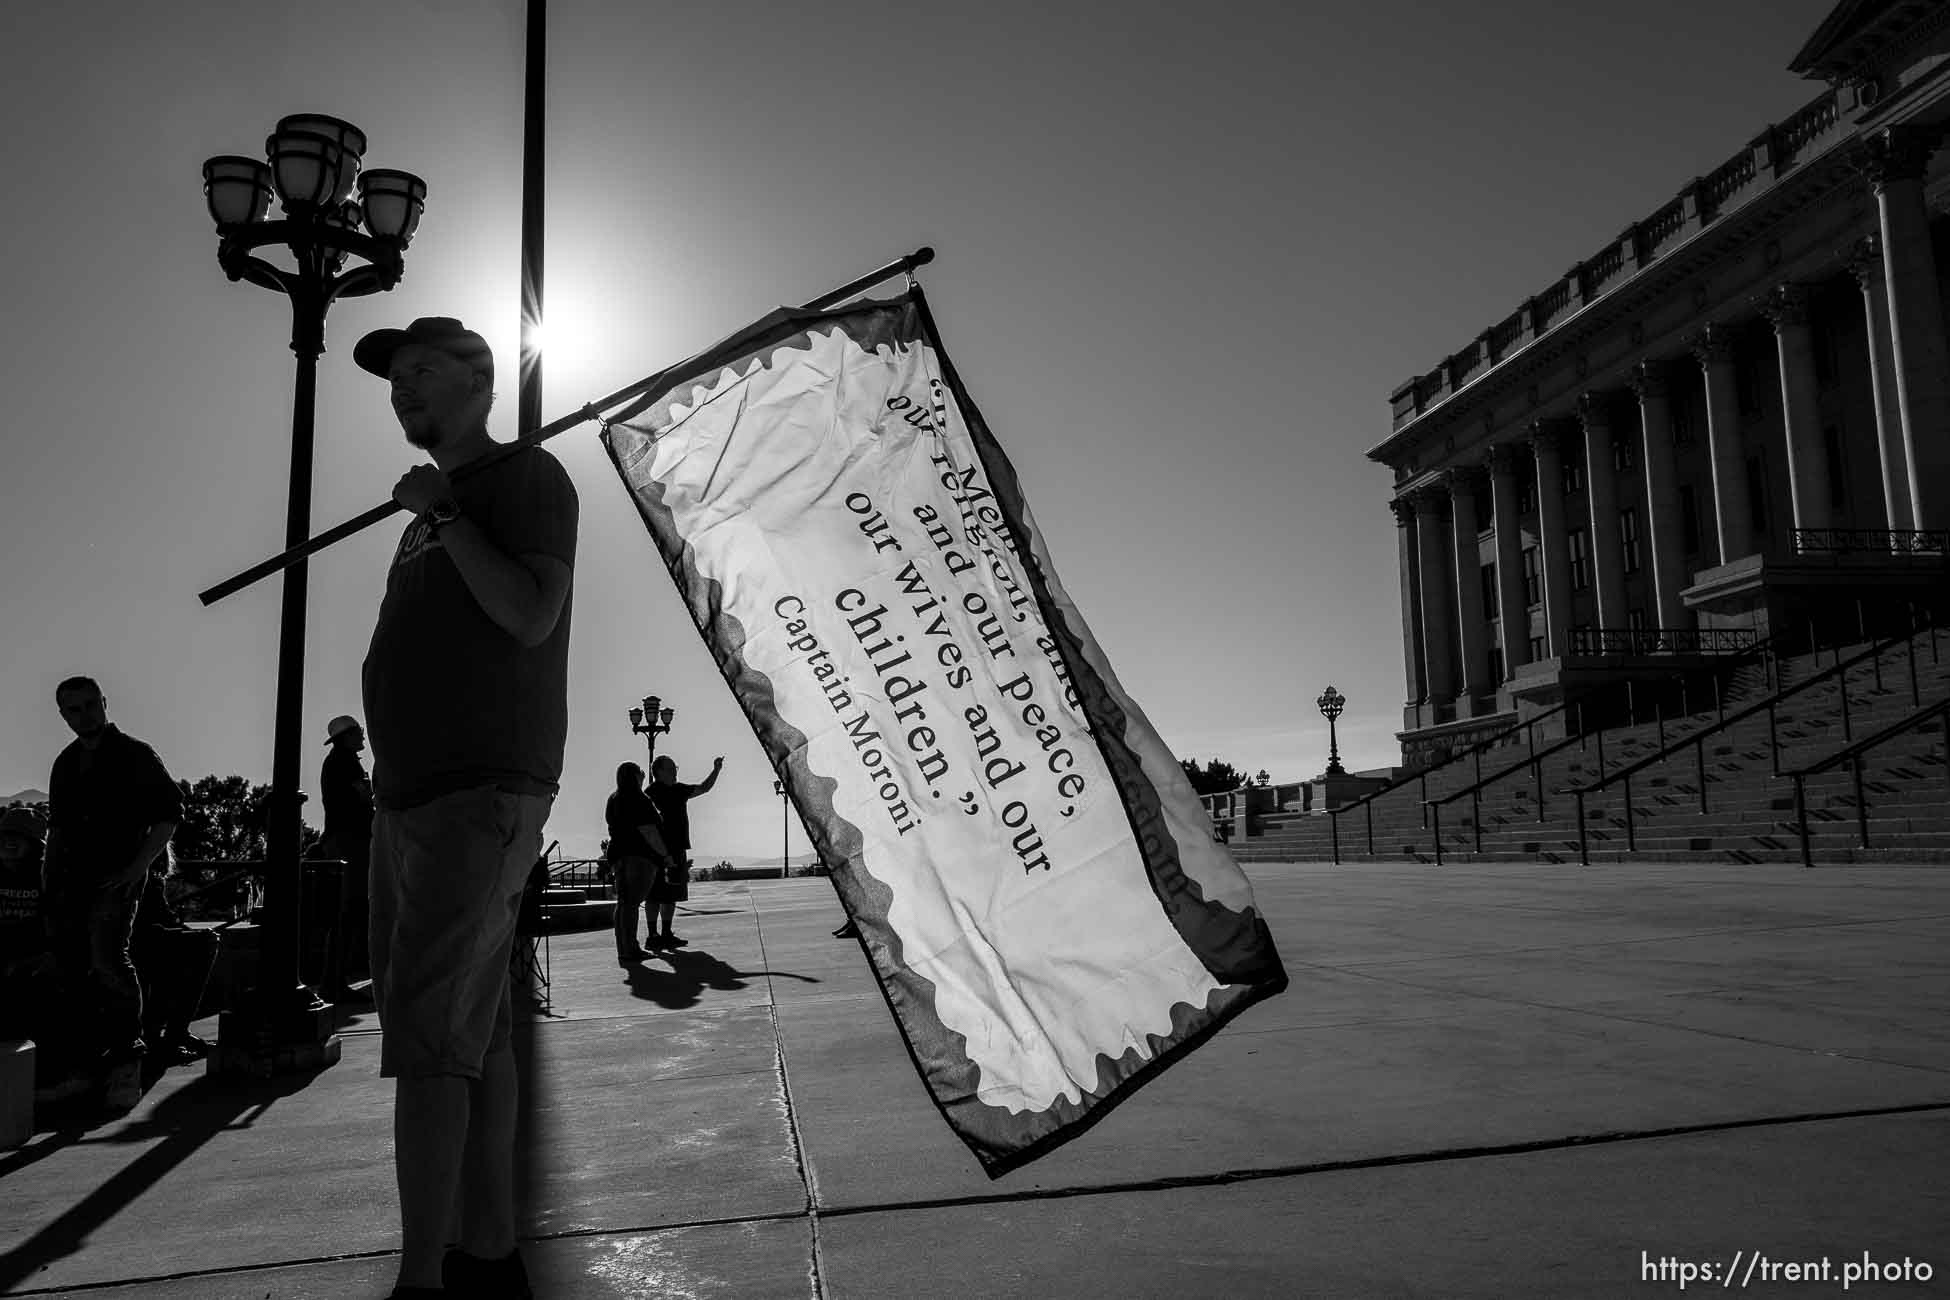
(1775,168)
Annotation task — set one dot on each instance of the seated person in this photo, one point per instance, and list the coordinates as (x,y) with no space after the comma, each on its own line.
(173,960)
(33,1001)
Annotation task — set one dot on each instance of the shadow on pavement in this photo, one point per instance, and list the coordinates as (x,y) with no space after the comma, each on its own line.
(690,973)
(178,1124)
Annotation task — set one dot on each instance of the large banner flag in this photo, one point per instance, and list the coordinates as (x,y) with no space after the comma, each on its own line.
(1034,880)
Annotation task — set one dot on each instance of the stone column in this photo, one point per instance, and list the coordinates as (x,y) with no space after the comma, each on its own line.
(1511,610)
(1733,518)
(1661,494)
(1552,547)
(1866,265)
(1438,632)
(1601,494)
(1472,622)
(1411,599)
(1787,310)
(1916,325)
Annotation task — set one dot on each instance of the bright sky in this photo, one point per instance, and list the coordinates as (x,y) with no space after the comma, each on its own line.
(1185,253)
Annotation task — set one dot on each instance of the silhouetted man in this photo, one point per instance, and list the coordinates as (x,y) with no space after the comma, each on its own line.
(112,807)
(466,696)
(673,883)
(346,792)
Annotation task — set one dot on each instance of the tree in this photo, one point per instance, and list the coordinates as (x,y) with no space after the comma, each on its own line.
(223,821)
(1216,777)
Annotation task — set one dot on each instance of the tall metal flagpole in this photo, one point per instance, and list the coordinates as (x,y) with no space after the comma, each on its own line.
(528,417)
(528,401)
(593,411)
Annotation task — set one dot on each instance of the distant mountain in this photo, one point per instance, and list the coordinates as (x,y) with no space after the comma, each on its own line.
(24,796)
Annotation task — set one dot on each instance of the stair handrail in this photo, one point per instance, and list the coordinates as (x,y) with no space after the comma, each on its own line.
(1535,762)
(1476,750)
(1838,670)
(1762,650)
(1851,754)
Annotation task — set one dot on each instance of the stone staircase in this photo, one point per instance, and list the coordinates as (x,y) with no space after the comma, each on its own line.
(1750,810)
(566,910)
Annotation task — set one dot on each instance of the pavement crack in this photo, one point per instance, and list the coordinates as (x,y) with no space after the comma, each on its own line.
(815,1273)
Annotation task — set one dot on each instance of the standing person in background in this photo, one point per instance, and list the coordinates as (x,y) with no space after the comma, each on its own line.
(346,792)
(636,852)
(673,884)
(112,807)
(467,696)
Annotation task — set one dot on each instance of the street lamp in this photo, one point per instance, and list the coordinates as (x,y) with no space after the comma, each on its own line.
(785,829)
(315,164)
(1331,702)
(651,721)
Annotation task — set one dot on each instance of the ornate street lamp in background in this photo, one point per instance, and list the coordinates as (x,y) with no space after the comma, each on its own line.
(785,829)
(651,721)
(1331,703)
(314,166)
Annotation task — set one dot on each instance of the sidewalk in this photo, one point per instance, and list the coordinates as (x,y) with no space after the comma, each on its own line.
(1489,1080)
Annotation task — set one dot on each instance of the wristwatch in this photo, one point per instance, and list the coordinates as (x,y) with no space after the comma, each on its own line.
(442,512)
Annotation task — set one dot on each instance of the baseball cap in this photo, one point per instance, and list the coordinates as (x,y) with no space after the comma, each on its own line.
(339,726)
(374,352)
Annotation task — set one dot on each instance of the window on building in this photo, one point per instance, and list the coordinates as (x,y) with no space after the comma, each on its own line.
(1573,473)
(1623,458)
(1688,519)
(1757,495)
(1747,383)
(1536,648)
(1822,335)
(1533,580)
(1684,427)
(1527,495)
(1496,663)
(1831,440)
(1628,538)
(1490,609)
(1635,619)
(1580,568)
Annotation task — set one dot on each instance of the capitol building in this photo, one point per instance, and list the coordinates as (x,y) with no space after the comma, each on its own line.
(1728,426)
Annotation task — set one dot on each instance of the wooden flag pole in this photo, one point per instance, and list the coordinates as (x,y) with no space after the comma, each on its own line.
(593,411)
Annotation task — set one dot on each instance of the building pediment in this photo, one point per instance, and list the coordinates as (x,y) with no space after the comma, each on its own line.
(1851,43)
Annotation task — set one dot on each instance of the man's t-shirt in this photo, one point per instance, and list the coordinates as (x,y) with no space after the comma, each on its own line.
(103,802)
(451,699)
(625,811)
(670,800)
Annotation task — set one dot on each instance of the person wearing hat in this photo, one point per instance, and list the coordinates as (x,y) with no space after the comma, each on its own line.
(466,705)
(346,792)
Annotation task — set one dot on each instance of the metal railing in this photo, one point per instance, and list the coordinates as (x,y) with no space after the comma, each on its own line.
(1852,755)
(1421,777)
(575,873)
(1931,542)
(1662,640)
(1763,650)
(1697,740)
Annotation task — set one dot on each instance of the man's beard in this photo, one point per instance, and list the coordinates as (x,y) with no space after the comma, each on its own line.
(425,437)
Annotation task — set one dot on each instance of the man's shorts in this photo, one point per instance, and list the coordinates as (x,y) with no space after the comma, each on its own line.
(447,877)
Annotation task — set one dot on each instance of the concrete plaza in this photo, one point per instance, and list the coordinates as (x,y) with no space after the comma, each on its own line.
(1492,1080)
